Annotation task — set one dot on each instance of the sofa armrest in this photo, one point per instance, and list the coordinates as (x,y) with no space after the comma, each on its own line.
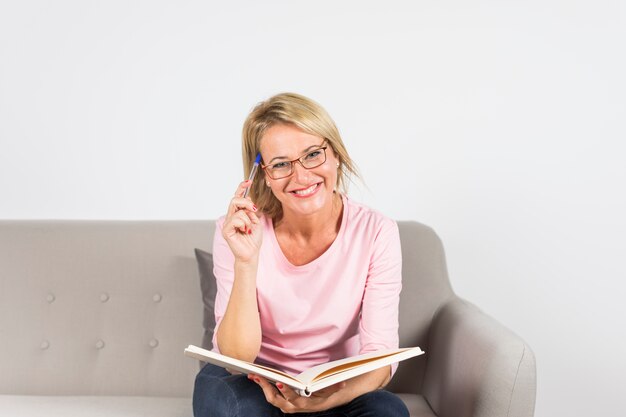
(476,366)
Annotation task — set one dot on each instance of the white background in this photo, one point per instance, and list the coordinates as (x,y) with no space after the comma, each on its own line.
(499,123)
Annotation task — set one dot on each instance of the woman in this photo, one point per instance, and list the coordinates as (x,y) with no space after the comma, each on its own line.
(305,275)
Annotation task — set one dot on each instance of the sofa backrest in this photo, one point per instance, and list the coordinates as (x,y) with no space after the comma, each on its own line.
(107,307)
(425,287)
(99,307)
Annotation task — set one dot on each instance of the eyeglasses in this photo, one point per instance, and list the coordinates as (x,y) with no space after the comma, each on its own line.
(283,169)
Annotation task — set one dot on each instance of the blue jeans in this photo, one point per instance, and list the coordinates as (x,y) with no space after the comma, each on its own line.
(217,393)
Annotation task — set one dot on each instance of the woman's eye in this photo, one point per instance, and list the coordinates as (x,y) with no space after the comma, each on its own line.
(313,155)
(280,165)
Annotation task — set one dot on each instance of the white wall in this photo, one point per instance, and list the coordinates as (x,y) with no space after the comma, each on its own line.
(501,124)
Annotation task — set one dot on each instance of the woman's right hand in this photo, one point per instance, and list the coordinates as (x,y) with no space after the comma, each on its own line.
(242,228)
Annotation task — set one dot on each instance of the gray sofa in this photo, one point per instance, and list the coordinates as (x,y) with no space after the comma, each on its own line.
(94,317)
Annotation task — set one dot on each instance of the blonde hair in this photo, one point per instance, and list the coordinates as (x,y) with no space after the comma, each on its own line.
(306,115)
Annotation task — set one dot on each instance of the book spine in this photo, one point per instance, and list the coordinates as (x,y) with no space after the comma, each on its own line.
(304,392)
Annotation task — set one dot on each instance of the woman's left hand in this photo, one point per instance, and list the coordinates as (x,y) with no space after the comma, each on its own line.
(289,401)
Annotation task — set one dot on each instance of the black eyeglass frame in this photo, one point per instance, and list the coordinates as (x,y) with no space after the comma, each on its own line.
(299,160)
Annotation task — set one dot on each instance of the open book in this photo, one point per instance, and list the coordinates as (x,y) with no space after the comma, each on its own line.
(315,378)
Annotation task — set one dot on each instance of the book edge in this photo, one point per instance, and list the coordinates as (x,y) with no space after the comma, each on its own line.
(227,362)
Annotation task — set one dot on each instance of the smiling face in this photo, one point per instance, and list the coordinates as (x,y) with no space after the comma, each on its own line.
(305,191)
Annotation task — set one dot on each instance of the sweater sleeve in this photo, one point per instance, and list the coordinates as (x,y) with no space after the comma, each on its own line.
(378,326)
(223,269)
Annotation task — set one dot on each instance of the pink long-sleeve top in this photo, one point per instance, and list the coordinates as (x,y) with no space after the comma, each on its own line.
(341,304)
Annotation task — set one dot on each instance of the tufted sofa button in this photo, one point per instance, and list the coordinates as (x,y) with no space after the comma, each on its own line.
(104,297)
(153,343)
(99,344)
(50,298)
(157,298)
(44,345)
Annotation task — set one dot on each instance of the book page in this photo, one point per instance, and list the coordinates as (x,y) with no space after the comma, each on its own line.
(243,366)
(331,368)
(350,370)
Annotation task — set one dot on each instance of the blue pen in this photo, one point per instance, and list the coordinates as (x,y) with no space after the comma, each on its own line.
(255,168)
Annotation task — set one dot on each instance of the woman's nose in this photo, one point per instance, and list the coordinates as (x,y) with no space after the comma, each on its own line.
(300,173)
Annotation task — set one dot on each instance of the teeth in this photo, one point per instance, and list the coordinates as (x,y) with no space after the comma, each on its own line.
(306,191)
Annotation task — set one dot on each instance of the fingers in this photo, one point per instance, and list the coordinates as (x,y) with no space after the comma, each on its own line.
(242,188)
(242,221)
(271,394)
(240,203)
(288,393)
(328,391)
(241,213)
(289,401)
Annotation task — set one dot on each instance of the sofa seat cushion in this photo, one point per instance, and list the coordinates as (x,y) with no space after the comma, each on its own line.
(417,405)
(96,406)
